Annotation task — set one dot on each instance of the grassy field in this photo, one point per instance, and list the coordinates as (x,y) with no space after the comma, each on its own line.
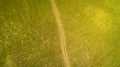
(29,35)
(92,31)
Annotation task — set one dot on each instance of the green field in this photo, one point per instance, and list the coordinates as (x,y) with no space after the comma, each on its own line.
(29,34)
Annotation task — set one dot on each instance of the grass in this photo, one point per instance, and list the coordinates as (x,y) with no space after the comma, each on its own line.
(92,30)
(29,35)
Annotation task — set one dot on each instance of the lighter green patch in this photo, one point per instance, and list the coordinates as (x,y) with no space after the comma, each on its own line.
(99,18)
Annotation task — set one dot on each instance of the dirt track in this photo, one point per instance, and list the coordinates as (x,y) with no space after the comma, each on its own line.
(61,33)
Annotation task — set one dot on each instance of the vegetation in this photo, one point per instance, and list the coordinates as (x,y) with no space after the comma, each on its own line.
(59,33)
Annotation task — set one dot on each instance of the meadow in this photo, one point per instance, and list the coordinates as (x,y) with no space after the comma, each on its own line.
(31,37)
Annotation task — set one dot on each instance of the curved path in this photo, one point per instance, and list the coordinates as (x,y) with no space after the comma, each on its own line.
(61,33)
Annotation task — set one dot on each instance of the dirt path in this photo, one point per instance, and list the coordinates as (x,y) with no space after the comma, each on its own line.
(61,33)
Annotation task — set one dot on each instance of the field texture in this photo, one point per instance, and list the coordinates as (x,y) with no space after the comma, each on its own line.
(59,33)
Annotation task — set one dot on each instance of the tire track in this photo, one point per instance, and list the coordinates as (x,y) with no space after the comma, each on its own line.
(61,33)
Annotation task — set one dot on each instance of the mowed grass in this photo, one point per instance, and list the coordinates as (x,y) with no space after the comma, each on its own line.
(92,31)
(29,36)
